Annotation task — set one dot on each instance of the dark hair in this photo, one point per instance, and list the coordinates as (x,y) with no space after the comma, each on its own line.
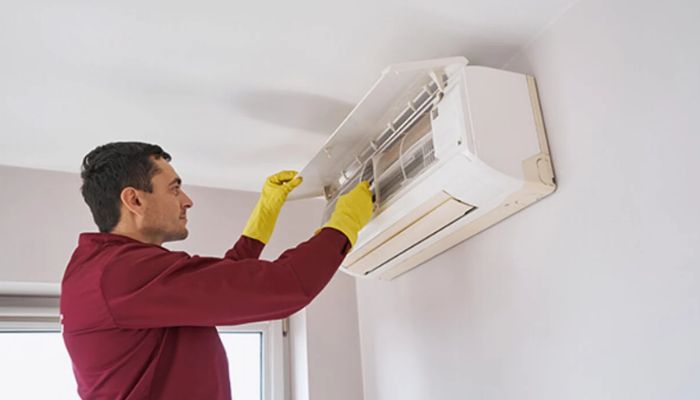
(108,169)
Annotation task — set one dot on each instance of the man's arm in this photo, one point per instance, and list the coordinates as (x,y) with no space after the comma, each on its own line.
(148,287)
(245,248)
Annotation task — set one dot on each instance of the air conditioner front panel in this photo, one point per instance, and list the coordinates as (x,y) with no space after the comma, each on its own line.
(451,129)
(366,244)
(465,180)
(442,210)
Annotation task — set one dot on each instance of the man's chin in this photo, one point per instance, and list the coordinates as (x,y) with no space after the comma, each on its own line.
(181,235)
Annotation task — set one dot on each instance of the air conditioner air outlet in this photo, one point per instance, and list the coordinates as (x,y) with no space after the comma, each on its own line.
(438,212)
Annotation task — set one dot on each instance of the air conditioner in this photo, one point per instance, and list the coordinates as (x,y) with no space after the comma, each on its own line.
(449,149)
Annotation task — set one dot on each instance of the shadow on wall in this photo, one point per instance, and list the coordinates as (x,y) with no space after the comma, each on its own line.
(297,110)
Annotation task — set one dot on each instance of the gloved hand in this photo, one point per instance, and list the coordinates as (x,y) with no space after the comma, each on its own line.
(274,193)
(353,211)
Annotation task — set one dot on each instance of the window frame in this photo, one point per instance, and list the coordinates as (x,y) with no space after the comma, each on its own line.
(274,375)
(275,381)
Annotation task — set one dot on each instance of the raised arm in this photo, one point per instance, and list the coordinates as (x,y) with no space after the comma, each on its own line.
(262,220)
(147,287)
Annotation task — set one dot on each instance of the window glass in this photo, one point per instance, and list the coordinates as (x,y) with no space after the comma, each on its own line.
(35,365)
(244,351)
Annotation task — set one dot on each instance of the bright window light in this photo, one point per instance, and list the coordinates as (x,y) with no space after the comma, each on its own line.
(36,365)
(244,351)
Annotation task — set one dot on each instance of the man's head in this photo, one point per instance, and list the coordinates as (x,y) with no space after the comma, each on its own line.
(131,189)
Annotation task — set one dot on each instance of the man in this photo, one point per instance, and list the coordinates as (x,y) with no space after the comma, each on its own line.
(139,320)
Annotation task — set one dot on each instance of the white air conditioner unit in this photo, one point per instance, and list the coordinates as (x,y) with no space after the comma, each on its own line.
(449,150)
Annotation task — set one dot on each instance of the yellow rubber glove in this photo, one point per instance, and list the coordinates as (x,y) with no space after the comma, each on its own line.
(274,193)
(353,211)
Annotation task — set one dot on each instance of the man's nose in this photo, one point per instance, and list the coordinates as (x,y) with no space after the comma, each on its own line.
(188,203)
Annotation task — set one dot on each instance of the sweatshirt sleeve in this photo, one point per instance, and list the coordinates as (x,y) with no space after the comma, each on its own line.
(245,248)
(148,287)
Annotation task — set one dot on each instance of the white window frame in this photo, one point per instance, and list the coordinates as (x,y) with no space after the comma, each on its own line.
(274,344)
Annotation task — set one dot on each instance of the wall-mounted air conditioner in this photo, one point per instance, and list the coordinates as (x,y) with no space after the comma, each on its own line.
(449,149)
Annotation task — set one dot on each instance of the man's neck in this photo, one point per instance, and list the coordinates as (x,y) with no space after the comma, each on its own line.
(136,236)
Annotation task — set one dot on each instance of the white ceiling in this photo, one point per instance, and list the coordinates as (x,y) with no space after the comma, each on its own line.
(232,90)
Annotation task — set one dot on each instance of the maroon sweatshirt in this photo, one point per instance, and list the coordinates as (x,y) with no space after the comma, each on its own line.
(139,320)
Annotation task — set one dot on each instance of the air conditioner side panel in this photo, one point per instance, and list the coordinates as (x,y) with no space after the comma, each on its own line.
(501,118)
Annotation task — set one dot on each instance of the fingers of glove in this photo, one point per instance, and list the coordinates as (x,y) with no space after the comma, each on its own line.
(293,183)
(282,183)
(361,192)
(366,204)
(282,177)
(286,187)
(364,186)
(359,202)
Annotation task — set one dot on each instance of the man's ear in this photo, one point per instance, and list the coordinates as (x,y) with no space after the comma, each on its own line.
(132,200)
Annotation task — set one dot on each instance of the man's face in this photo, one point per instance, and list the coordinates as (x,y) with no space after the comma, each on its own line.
(166,208)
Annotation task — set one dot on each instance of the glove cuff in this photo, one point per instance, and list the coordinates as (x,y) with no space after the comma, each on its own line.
(262,220)
(348,226)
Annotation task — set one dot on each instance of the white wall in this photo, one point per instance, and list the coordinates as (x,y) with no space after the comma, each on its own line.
(41,213)
(334,343)
(594,292)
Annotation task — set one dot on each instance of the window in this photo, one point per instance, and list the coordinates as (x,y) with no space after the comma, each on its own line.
(244,351)
(35,365)
(273,384)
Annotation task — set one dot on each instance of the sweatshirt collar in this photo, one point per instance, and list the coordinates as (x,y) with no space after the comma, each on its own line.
(98,237)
